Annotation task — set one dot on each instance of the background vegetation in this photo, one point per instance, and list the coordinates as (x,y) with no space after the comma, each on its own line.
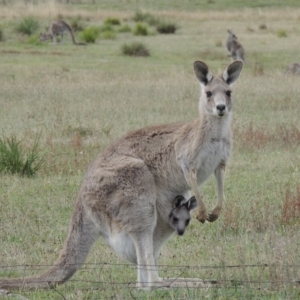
(78,99)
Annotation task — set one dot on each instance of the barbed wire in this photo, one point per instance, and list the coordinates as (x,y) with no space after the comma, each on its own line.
(91,266)
(219,284)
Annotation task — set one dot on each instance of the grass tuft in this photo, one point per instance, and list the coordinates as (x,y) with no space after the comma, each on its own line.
(290,214)
(14,160)
(166,27)
(135,49)
(145,17)
(28,26)
(140,29)
(112,21)
(90,34)
(281,33)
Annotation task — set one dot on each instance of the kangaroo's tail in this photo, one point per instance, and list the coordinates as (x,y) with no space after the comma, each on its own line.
(81,236)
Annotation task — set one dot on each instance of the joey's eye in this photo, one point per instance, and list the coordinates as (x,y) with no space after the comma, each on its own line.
(175,220)
(187,222)
(208,94)
(228,93)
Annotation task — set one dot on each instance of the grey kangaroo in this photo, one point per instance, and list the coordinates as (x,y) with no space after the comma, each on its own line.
(57,28)
(128,191)
(234,47)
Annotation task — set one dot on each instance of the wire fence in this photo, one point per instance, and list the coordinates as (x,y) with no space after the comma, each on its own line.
(217,281)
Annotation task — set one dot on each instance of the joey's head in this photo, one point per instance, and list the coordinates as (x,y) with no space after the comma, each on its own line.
(216,96)
(180,215)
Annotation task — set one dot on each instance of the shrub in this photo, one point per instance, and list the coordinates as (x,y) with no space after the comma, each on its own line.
(112,21)
(1,35)
(145,17)
(166,27)
(33,40)
(13,159)
(124,28)
(90,34)
(76,24)
(135,49)
(28,25)
(108,35)
(140,29)
(281,33)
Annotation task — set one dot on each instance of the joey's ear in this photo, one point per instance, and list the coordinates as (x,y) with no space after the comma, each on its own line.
(232,72)
(178,201)
(202,72)
(229,31)
(191,203)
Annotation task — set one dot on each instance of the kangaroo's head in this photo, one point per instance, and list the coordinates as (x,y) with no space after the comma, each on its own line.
(231,36)
(180,215)
(216,97)
(45,36)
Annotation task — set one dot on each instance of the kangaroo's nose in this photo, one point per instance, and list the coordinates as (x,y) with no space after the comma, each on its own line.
(221,107)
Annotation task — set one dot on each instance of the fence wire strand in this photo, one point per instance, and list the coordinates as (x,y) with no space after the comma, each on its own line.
(221,286)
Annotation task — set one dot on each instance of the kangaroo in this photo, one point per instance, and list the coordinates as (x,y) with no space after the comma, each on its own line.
(58,28)
(128,191)
(234,47)
(293,69)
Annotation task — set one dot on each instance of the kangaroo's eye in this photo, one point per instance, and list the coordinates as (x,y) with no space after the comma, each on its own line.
(175,220)
(187,222)
(208,94)
(228,93)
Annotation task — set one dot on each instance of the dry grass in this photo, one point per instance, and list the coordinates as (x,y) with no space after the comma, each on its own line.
(83,98)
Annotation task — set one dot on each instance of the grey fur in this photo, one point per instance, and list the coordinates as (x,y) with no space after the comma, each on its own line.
(128,191)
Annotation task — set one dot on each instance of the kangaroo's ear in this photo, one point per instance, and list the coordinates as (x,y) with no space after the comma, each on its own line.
(232,72)
(229,31)
(191,204)
(202,72)
(178,201)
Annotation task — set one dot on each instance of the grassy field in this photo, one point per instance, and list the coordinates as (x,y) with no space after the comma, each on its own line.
(79,99)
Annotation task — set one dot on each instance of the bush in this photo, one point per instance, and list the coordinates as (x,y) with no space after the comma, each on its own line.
(124,28)
(135,49)
(112,21)
(1,35)
(33,40)
(76,24)
(13,159)
(145,17)
(108,35)
(140,29)
(281,33)
(166,27)
(90,34)
(28,25)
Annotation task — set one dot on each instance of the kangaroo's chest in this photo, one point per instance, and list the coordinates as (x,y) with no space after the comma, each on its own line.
(214,152)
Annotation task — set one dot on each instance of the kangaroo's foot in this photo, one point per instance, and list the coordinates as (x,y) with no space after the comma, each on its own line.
(214,215)
(201,215)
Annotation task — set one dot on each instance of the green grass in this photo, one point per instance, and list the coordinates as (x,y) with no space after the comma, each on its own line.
(14,159)
(83,98)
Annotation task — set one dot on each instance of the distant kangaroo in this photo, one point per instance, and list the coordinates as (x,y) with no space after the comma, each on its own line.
(234,47)
(128,191)
(293,69)
(58,28)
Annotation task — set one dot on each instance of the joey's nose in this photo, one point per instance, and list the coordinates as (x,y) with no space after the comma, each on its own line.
(180,231)
(221,107)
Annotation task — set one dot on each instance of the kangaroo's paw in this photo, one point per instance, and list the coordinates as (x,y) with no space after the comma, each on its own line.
(214,215)
(201,215)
